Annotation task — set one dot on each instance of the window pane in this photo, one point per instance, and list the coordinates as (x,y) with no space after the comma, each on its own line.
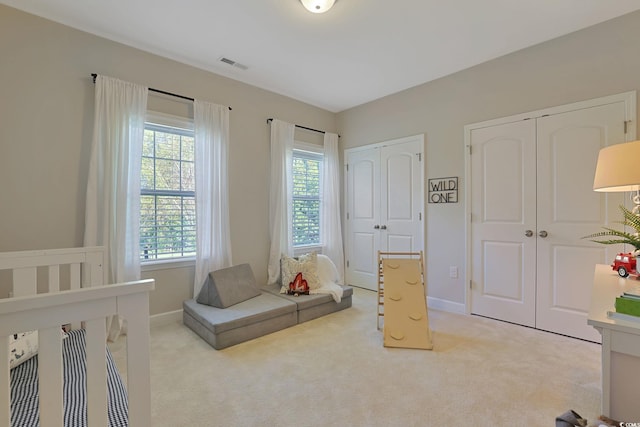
(187,148)
(167,202)
(147,226)
(147,173)
(167,226)
(167,146)
(167,175)
(147,143)
(306,199)
(306,177)
(306,222)
(188,177)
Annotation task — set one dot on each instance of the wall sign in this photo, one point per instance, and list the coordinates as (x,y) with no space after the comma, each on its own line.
(443,190)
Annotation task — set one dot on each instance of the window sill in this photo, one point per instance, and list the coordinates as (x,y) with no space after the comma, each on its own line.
(301,250)
(166,264)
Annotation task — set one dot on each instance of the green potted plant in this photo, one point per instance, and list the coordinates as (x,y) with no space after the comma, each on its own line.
(616,236)
(624,264)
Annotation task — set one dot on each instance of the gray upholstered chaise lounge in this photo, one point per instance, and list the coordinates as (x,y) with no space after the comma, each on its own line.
(231,309)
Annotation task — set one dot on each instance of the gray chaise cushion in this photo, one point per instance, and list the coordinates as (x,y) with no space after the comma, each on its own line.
(249,319)
(228,286)
(314,305)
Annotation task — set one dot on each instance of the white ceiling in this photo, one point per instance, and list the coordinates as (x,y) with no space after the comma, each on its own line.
(359,51)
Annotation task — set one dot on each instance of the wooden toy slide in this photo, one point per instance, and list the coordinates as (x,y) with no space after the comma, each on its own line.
(402,300)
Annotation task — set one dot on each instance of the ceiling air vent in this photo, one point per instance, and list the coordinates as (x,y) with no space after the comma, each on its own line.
(233,63)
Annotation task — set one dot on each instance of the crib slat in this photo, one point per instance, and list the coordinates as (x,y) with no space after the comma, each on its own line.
(95,266)
(96,337)
(50,377)
(25,281)
(75,275)
(54,278)
(75,283)
(5,396)
(135,308)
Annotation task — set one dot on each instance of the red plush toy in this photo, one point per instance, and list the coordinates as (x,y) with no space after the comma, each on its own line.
(298,286)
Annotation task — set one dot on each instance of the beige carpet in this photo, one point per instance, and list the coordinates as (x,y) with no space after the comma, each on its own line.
(334,371)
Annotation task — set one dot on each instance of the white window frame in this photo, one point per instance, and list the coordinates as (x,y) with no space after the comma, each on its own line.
(163,119)
(316,150)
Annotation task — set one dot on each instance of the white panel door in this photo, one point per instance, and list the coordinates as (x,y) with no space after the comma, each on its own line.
(402,197)
(532,201)
(503,223)
(363,215)
(384,205)
(568,209)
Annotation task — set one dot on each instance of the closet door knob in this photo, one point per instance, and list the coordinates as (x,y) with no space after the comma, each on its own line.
(383,227)
(543,234)
(376,227)
(528,233)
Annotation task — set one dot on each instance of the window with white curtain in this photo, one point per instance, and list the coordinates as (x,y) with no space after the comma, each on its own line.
(306,195)
(167,193)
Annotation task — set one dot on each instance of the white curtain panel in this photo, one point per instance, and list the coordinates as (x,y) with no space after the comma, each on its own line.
(280,196)
(112,216)
(330,222)
(213,239)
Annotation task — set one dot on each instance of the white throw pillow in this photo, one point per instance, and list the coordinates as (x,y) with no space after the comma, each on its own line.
(22,347)
(306,264)
(327,271)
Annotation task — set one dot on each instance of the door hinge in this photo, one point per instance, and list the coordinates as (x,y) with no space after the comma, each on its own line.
(347,165)
(470,284)
(626,126)
(347,263)
(347,215)
(419,156)
(419,216)
(469,149)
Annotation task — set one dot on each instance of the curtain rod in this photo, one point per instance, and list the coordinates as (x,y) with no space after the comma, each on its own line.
(303,127)
(175,95)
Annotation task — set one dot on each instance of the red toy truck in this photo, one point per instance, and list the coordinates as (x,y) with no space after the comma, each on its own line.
(625,264)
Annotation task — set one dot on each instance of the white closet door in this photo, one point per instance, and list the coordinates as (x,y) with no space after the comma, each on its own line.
(384,205)
(503,222)
(532,201)
(363,214)
(402,197)
(568,209)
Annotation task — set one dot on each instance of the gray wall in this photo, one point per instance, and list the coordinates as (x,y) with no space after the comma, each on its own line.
(46,119)
(598,61)
(46,116)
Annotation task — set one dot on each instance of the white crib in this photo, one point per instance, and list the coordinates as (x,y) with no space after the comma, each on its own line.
(74,293)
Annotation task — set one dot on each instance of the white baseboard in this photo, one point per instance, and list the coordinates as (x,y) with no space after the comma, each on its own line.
(165,318)
(434,303)
(445,305)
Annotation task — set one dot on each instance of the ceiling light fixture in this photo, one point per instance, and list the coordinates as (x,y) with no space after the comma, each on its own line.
(318,6)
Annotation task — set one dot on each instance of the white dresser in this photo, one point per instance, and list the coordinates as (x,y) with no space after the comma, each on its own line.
(620,346)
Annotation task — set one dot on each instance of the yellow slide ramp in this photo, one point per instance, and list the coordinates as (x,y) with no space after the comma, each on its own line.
(406,322)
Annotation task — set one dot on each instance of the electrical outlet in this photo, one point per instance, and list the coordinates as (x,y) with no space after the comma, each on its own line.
(453,272)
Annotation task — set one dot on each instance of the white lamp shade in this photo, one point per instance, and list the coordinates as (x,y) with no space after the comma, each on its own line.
(618,168)
(318,6)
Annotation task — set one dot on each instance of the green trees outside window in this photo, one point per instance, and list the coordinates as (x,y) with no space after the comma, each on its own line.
(306,198)
(167,195)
